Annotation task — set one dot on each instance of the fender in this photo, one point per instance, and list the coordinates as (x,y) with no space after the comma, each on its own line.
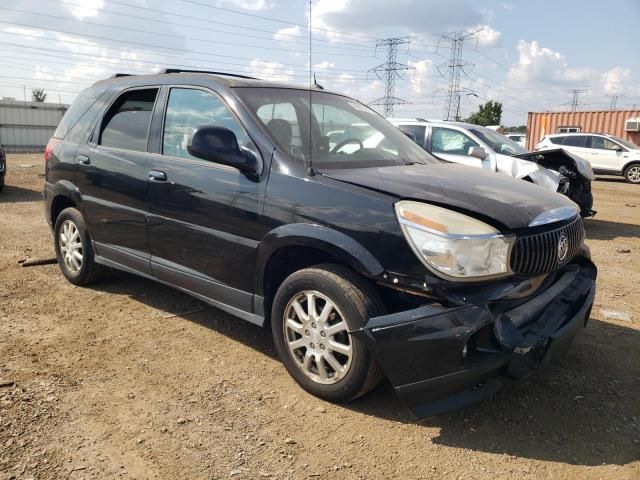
(326,239)
(62,188)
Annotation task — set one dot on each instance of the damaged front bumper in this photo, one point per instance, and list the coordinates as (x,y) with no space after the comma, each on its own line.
(442,358)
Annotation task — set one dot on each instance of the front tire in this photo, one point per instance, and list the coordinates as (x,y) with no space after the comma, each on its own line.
(313,312)
(74,250)
(632,173)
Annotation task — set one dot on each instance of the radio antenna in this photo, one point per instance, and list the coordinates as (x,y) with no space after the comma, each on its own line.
(311,171)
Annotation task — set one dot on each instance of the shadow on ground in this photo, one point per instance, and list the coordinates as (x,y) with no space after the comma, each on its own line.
(584,410)
(11,194)
(606,230)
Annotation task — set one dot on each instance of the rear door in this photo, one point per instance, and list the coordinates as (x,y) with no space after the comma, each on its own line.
(204,217)
(112,178)
(453,145)
(578,145)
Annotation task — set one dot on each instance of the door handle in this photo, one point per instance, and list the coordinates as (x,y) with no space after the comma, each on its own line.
(157,176)
(84,160)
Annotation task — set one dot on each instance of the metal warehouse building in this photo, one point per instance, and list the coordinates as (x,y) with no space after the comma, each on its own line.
(27,126)
(615,122)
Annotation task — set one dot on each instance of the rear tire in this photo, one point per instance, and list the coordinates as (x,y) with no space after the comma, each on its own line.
(316,348)
(74,249)
(632,173)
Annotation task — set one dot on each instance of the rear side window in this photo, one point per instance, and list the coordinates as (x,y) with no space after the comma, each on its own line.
(417,132)
(126,124)
(81,104)
(575,141)
(557,140)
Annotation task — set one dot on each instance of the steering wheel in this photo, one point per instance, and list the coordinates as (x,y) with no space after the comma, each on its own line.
(347,142)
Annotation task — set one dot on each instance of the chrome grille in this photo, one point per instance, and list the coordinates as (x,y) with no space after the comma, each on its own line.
(534,254)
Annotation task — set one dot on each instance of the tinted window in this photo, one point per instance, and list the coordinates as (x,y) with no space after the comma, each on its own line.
(557,140)
(126,124)
(189,109)
(602,143)
(445,140)
(80,105)
(575,141)
(417,132)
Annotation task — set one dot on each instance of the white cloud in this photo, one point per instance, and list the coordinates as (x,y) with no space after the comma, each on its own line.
(488,37)
(274,71)
(616,81)
(247,4)
(89,8)
(285,34)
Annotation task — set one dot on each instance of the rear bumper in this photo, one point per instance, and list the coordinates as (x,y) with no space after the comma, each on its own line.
(421,350)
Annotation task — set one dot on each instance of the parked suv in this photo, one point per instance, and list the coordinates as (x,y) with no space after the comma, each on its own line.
(484,147)
(607,154)
(3,167)
(364,262)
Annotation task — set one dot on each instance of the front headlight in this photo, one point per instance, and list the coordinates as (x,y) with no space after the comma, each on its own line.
(453,245)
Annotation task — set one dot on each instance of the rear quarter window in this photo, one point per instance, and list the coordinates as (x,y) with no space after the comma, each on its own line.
(557,140)
(78,108)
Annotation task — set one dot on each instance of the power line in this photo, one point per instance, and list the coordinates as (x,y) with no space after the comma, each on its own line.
(388,72)
(454,68)
(272,19)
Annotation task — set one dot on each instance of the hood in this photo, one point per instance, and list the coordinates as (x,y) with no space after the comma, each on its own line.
(509,202)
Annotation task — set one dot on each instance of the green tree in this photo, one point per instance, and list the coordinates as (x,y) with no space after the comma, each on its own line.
(38,95)
(489,113)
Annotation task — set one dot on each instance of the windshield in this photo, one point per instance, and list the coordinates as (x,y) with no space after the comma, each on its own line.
(497,142)
(340,132)
(624,143)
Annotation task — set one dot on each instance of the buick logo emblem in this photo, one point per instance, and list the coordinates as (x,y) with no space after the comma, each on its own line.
(563,247)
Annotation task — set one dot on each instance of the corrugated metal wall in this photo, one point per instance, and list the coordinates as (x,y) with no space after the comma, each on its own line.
(540,124)
(28,126)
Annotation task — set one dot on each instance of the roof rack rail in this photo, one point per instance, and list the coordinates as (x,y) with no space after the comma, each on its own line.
(118,75)
(420,119)
(226,74)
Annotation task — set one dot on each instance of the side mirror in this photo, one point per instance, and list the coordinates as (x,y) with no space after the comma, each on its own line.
(617,148)
(478,152)
(219,144)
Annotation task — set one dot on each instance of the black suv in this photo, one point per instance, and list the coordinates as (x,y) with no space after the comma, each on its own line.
(308,212)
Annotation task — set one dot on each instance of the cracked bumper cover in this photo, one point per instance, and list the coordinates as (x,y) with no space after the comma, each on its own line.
(421,350)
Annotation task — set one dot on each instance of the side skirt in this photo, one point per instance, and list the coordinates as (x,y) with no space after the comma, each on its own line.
(250,317)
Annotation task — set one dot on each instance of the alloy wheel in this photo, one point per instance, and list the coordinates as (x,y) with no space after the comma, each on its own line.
(634,174)
(71,246)
(317,336)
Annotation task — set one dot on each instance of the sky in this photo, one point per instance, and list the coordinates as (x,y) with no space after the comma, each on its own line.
(529,55)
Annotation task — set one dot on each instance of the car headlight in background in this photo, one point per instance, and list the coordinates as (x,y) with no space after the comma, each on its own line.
(452,244)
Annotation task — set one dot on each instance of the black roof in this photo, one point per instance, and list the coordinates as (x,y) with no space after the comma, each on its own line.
(168,76)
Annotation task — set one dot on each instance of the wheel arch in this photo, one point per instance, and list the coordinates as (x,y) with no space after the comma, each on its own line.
(635,161)
(63,195)
(291,247)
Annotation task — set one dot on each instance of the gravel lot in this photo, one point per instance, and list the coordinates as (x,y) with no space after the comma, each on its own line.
(130,379)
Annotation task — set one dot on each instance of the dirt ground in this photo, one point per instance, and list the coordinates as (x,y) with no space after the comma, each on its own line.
(131,379)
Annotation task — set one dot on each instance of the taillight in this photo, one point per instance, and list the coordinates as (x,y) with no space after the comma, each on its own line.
(53,143)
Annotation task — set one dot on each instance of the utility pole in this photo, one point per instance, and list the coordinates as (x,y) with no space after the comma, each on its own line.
(614,101)
(575,103)
(452,69)
(389,71)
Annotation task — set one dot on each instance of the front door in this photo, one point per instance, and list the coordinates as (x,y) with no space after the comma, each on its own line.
(112,179)
(453,145)
(606,154)
(204,217)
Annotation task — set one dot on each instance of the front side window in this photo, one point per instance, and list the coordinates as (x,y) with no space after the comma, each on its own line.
(445,140)
(498,142)
(576,141)
(331,130)
(602,143)
(188,109)
(126,124)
